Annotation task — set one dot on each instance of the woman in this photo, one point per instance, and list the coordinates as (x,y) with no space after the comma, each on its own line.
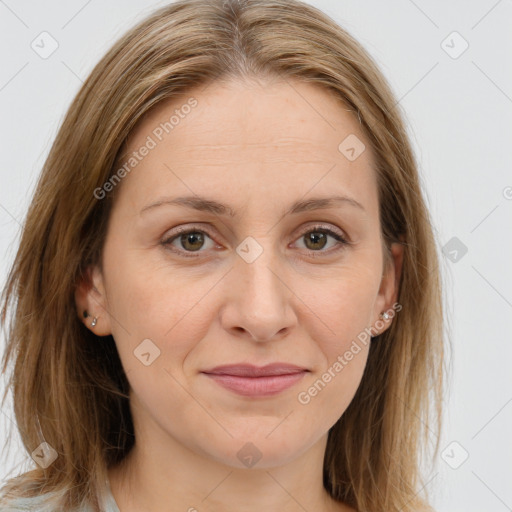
(227,294)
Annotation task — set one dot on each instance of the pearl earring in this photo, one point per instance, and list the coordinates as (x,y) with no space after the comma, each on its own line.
(94,320)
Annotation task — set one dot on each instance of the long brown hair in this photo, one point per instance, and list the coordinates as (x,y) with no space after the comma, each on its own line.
(71,392)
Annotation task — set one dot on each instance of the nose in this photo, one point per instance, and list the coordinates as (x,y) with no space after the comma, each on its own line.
(259,301)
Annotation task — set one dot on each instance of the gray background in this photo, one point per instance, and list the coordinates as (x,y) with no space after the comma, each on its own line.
(459,109)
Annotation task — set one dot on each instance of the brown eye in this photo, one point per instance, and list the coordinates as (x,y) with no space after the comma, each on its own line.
(187,241)
(316,239)
(192,241)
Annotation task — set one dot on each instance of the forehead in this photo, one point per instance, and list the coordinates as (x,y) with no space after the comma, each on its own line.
(297,115)
(287,135)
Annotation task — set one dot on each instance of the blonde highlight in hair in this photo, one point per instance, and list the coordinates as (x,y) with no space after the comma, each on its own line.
(75,387)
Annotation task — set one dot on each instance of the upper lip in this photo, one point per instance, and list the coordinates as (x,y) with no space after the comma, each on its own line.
(249,370)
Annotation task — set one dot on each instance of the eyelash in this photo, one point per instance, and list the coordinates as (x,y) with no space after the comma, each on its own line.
(341,241)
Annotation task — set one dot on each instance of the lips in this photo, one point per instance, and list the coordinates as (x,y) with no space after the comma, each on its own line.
(254,381)
(249,370)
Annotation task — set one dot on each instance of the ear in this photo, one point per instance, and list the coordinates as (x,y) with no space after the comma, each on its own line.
(388,292)
(91,302)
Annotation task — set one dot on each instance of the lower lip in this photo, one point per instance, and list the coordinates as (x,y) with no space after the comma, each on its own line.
(257,386)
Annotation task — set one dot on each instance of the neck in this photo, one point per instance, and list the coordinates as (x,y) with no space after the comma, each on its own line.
(152,480)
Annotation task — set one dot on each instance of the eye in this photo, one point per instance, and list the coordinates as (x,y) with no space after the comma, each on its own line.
(189,240)
(192,240)
(316,239)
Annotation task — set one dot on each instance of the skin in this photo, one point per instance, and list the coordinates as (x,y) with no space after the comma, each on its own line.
(256,147)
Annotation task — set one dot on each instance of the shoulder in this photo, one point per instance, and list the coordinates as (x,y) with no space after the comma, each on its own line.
(50,502)
(36,504)
(20,504)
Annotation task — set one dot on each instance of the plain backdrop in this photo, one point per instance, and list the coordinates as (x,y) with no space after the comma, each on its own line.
(449,64)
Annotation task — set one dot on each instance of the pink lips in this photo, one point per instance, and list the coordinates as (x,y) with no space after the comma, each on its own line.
(249,380)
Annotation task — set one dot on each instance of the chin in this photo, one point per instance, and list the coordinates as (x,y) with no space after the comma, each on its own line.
(258,451)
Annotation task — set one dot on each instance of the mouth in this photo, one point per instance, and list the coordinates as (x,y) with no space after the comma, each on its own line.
(249,380)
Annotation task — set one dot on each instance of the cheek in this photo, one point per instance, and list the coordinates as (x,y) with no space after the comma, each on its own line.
(342,306)
(330,391)
(149,301)
(344,311)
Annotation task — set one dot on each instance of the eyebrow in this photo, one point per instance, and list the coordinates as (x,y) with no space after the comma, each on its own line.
(211,206)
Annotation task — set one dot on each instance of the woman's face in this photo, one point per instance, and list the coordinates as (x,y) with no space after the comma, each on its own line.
(259,280)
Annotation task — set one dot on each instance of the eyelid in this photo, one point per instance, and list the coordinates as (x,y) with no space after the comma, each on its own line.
(327,228)
(341,238)
(177,232)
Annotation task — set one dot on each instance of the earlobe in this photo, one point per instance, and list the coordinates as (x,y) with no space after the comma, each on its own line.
(91,304)
(94,320)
